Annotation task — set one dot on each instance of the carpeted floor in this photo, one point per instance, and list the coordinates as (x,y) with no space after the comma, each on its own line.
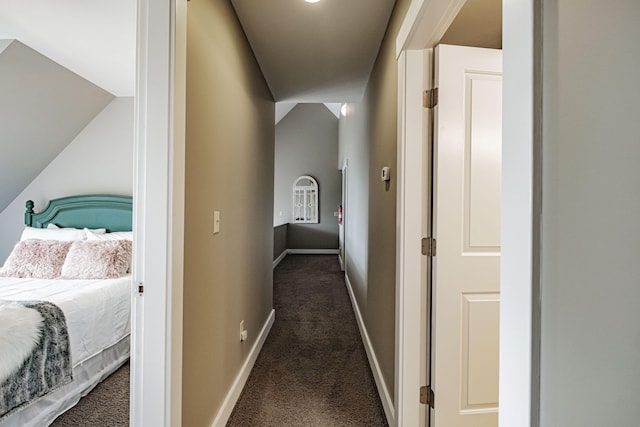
(313,369)
(106,405)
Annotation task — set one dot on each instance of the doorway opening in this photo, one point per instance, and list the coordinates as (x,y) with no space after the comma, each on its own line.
(460,159)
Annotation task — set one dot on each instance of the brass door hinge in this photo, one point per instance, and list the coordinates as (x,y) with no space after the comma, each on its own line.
(427,396)
(429,246)
(430,98)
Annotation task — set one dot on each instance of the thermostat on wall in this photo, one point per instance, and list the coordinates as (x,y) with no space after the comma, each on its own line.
(384,175)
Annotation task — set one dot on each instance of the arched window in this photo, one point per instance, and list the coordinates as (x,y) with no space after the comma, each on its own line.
(305,200)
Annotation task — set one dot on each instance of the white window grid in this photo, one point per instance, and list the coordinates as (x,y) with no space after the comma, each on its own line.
(305,200)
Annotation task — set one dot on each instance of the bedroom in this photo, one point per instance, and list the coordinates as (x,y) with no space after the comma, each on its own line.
(71,138)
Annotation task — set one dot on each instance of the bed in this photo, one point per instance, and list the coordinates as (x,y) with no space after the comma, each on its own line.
(91,336)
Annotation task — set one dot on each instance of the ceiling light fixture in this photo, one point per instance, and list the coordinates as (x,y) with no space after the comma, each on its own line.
(312,1)
(343,110)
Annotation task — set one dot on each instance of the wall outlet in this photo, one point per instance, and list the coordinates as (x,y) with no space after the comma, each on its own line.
(385,174)
(243,331)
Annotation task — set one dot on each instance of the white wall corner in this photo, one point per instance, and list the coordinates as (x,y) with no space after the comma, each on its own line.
(4,43)
(516,333)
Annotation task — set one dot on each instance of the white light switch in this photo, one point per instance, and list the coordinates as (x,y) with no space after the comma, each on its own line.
(216,222)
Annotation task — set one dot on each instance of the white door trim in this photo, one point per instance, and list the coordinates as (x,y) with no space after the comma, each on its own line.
(424,24)
(521,187)
(158,222)
(345,192)
(411,227)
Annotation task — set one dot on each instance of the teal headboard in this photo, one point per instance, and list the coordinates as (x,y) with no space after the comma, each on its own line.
(91,211)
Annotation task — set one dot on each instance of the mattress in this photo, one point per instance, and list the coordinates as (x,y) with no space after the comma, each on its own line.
(97,312)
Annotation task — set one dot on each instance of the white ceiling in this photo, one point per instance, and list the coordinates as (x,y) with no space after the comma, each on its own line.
(95,39)
(321,52)
(283,108)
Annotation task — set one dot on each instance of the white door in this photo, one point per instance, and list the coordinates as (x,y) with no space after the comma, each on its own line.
(466,226)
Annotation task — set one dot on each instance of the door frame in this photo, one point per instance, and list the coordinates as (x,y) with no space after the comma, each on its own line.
(424,24)
(158,214)
(411,218)
(343,254)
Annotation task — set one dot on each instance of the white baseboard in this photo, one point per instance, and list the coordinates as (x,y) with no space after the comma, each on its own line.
(280,258)
(313,251)
(387,402)
(238,384)
(306,252)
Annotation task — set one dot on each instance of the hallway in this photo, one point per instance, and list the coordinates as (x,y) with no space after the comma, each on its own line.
(313,369)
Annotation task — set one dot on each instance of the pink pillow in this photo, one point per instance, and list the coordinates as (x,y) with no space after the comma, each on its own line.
(39,259)
(97,259)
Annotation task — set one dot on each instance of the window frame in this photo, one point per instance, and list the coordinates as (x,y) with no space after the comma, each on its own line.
(307,191)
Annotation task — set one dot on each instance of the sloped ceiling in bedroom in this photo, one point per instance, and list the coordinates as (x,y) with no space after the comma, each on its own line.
(42,108)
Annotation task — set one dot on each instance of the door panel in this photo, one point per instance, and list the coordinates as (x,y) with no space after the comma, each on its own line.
(466,224)
(479,354)
(482,154)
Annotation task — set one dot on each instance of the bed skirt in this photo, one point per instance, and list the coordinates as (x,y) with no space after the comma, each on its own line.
(86,376)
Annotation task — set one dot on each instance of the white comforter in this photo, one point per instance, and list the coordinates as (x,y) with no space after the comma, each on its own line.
(97,311)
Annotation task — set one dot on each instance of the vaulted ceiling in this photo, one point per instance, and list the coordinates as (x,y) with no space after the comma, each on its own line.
(315,52)
(95,39)
(43,107)
(320,52)
(61,63)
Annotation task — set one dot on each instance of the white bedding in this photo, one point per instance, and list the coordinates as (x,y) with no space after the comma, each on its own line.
(97,311)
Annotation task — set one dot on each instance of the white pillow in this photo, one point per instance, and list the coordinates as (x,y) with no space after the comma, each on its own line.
(116,235)
(61,234)
(95,230)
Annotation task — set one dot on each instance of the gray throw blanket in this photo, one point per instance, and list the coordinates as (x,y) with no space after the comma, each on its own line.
(46,369)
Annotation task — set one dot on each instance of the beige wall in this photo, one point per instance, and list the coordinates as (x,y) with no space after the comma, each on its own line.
(229,168)
(372,128)
(383,89)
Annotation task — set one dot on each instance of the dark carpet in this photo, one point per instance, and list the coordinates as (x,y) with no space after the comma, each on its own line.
(106,405)
(313,369)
